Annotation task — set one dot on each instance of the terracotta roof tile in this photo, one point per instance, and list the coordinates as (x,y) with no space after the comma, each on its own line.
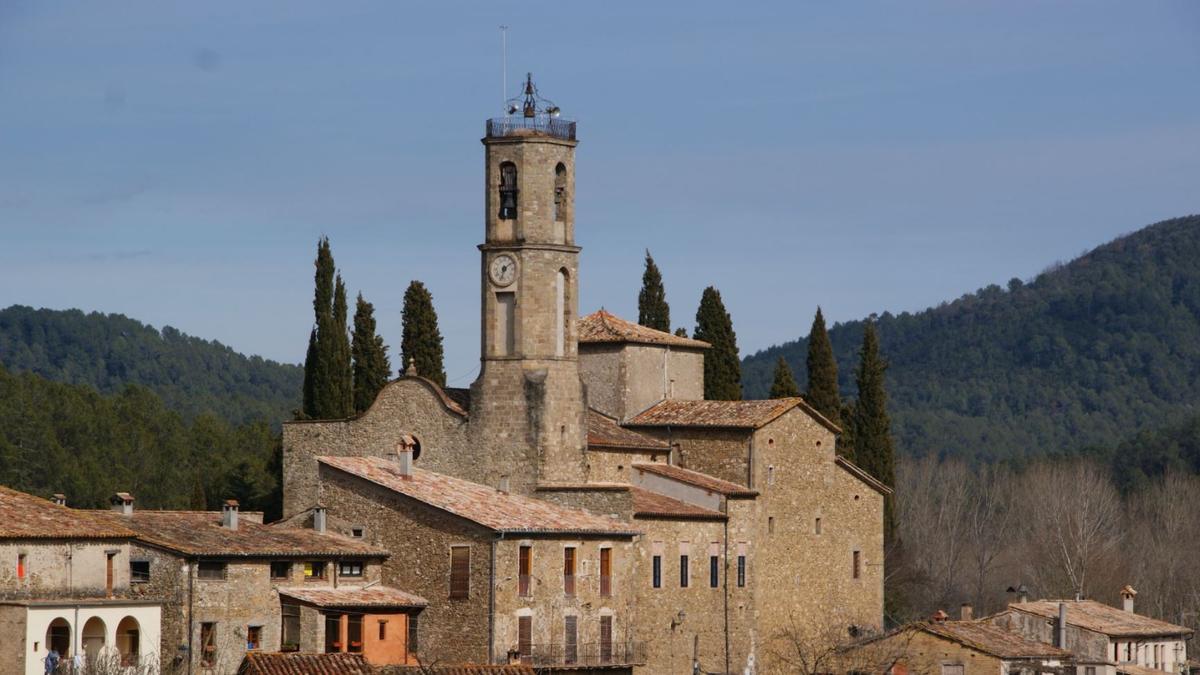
(861,474)
(994,640)
(24,516)
(460,669)
(604,327)
(723,414)
(375,596)
(700,480)
(498,511)
(649,504)
(273,663)
(1102,618)
(201,533)
(604,432)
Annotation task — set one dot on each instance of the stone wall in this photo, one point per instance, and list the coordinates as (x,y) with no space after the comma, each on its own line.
(168,585)
(615,466)
(625,379)
(723,453)
(13,650)
(1088,646)
(601,365)
(410,406)
(923,654)
(56,569)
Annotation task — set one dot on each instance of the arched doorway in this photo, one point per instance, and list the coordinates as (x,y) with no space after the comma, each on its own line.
(58,637)
(92,638)
(129,641)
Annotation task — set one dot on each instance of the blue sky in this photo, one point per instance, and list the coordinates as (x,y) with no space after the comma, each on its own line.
(176,162)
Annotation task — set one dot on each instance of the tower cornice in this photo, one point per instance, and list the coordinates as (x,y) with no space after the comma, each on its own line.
(530,246)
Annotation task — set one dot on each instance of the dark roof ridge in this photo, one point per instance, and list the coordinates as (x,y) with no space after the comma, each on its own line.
(437,390)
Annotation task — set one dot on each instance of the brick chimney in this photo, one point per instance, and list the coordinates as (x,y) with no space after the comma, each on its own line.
(939,617)
(1127,595)
(229,514)
(319,518)
(122,503)
(966,612)
(59,498)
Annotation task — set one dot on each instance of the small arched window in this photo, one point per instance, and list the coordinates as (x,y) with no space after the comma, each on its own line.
(560,192)
(508,191)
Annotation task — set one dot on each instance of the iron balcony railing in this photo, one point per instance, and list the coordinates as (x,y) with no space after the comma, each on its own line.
(548,655)
(518,125)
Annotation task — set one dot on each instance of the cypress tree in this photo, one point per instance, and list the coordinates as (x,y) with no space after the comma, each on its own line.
(307,408)
(784,385)
(371,367)
(872,429)
(681,332)
(722,370)
(341,376)
(317,381)
(421,342)
(822,373)
(653,310)
(845,442)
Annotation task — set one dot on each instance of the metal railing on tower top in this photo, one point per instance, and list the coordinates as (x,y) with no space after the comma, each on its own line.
(519,125)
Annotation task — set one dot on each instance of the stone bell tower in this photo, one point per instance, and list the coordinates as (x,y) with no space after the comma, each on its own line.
(527,405)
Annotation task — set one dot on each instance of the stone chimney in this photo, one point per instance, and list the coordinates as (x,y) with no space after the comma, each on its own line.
(1060,629)
(1127,595)
(319,518)
(939,617)
(966,612)
(404,456)
(503,485)
(229,514)
(122,503)
(59,498)
(1021,591)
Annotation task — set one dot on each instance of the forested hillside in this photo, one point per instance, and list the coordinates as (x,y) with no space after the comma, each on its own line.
(1086,354)
(67,438)
(108,351)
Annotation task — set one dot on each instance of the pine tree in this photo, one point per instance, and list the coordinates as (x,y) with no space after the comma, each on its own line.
(722,370)
(371,367)
(653,310)
(421,342)
(822,373)
(317,363)
(872,428)
(784,385)
(341,375)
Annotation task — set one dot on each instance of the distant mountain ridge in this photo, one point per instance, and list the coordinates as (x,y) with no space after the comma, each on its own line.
(1086,354)
(108,351)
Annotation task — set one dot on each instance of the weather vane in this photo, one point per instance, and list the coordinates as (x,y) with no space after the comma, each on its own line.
(531,104)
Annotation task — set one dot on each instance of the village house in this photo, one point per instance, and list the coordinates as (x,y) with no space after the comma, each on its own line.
(65,586)
(229,584)
(1106,640)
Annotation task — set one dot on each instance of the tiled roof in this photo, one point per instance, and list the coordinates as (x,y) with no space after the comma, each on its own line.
(723,414)
(1133,669)
(201,533)
(295,663)
(375,596)
(1102,618)
(604,432)
(861,474)
(649,504)
(993,640)
(461,669)
(700,480)
(24,516)
(604,327)
(495,510)
(461,397)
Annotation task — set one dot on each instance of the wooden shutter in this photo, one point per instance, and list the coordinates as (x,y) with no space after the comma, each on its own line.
(570,640)
(524,563)
(605,639)
(569,570)
(525,638)
(413,632)
(460,571)
(605,572)
(857,564)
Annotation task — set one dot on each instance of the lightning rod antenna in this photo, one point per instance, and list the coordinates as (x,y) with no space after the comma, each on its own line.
(503,66)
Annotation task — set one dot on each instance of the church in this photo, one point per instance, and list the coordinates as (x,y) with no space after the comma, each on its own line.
(581,506)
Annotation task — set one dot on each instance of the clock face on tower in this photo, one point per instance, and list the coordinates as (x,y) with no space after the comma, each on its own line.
(503,270)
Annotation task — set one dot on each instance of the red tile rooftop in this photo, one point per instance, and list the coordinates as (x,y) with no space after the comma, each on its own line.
(723,414)
(486,506)
(647,504)
(993,640)
(697,479)
(24,516)
(375,596)
(294,663)
(602,326)
(604,432)
(1102,618)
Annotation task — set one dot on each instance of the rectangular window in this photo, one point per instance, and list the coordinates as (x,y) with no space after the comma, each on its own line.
(569,571)
(382,630)
(714,571)
(605,639)
(357,532)
(770,475)
(210,570)
(525,638)
(460,571)
(770,524)
(253,637)
(350,568)
(817,525)
(858,566)
(281,569)
(354,632)
(506,324)
(289,627)
(108,573)
(952,669)
(139,571)
(208,644)
(524,569)
(1089,670)
(656,581)
(570,640)
(741,571)
(413,642)
(606,572)
(21,562)
(315,570)
(683,571)
(333,633)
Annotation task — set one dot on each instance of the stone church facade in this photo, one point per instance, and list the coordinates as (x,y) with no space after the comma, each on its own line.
(735,527)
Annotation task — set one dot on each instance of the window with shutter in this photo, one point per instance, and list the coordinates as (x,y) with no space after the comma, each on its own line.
(413,642)
(525,638)
(290,630)
(741,571)
(208,644)
(569,571)
(857,571)
(606,572)
(605,639)
(683,571)
(656,581)
(524,563)
(714,571)
(460,571)
(570,640)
